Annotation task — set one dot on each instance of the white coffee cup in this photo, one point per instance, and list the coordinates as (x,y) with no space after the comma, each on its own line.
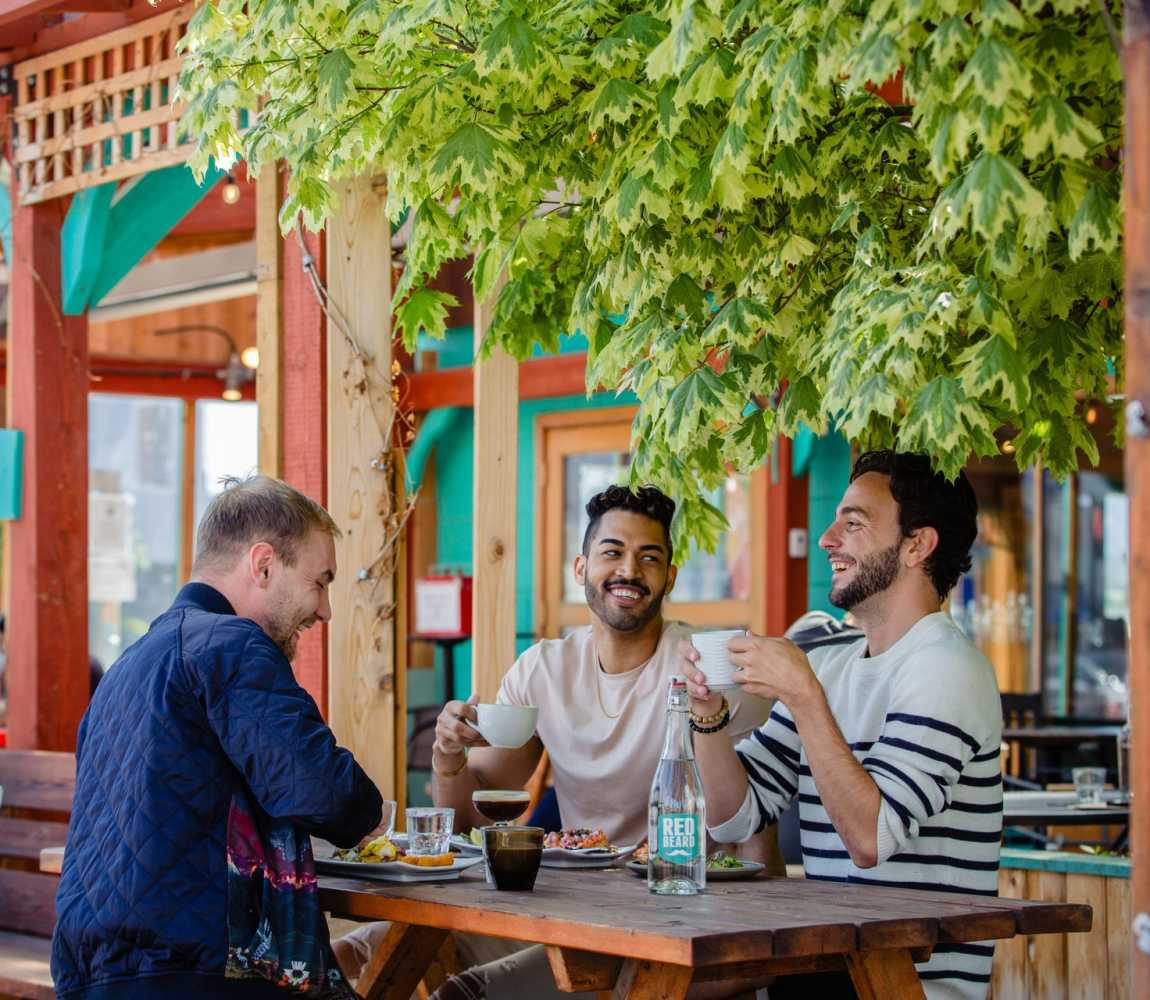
(507,726)
(715,658)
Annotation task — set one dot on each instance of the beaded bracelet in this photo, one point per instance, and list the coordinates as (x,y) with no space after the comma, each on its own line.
(721,723)
(710,720)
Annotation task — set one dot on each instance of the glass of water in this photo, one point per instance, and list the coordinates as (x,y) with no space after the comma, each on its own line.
(1088,783)
(429,829)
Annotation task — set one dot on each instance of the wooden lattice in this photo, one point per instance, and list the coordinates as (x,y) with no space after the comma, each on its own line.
(100,110)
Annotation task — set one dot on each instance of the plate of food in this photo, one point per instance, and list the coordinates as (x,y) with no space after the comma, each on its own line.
(581,847)
(720,867)
(384,858)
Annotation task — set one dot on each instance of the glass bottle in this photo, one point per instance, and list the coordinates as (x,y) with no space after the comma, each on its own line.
(677,817)
(1124,760)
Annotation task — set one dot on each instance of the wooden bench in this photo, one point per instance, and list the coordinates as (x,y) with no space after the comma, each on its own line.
(38,788)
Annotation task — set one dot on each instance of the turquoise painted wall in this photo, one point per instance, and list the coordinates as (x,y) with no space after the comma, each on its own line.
(828,474)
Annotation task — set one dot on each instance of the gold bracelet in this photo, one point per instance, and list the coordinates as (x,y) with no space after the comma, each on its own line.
(447,774)
(710,720)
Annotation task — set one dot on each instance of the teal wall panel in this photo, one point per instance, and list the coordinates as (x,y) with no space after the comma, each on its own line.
(828,470)
(11,474)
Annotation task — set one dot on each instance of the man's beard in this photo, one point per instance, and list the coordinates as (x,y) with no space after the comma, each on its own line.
(872,576)
(622,619)
(284,632)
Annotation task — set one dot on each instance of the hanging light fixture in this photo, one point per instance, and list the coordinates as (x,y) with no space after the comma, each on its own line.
(230,191)
(250,356)
(236,373)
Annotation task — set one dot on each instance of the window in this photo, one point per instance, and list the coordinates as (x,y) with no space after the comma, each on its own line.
(584,452)
(143,505)
(1047,599)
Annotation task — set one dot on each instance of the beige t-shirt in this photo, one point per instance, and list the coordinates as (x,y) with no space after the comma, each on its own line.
(603,766)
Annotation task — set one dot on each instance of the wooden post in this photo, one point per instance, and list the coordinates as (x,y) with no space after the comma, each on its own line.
(47,624)
(269,320)
(1137,299)
(786,576)
(303,405)
(494,510)
(361,650)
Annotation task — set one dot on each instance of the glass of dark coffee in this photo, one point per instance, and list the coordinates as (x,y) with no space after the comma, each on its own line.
(500,806)
(513,856)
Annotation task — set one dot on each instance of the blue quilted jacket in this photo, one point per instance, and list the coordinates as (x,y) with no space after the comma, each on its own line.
(202,767)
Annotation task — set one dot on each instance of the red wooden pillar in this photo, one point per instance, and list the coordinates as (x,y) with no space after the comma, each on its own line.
(1137,298)
(47,626)
(303,388)
(786,576)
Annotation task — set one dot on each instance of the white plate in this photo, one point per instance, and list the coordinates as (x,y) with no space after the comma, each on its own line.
(587,857)
(390,871)
(458,843)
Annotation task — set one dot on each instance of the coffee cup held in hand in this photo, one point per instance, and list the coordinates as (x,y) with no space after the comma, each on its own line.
(507,726)
(714,657)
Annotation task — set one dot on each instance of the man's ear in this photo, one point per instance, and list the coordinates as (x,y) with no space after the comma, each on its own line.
(920,544)
(580,567)
(672,573)
(261,559)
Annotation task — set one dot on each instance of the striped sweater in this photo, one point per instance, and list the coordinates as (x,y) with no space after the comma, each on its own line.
(925,721)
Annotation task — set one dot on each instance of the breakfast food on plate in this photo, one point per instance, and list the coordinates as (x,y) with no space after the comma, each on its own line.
(576,839)
(428,860)
(640,854)
(381,850)
(721,862)
(373,852)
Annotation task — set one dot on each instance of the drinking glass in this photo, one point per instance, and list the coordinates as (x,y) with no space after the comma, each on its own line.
(500,806)
(429,829)
(513,855)
(387,819)
(1088,783)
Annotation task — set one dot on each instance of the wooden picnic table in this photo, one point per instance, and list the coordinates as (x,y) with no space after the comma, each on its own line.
(603,930)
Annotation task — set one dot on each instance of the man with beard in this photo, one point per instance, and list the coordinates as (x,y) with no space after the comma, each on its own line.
(602,698)
(601,691)
(202,768)
(890,743)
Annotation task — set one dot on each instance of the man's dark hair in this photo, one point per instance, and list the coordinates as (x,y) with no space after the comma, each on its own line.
(927,499)
(646,500)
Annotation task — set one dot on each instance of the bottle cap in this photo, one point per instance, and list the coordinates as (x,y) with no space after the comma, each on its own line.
(678,680)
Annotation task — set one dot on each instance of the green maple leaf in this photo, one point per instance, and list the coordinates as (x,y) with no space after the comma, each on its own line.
(697,396)
(472,156)
(992,194)
(874,396)
(617,101)
(995,73)
(634,36)
(1096,224)
(684,294)
(1053,124)
(752,436)
(513,45)
(424,310)
(800,405)
(994,369)
(690,32)
(742,320)
(941,421)
(334,79)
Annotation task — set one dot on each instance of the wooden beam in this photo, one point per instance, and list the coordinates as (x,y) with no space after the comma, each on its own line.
(494,513)
(303,403)
(1137,299)
(47,399)
(14,10)
(85,232)
(786,576)
(539,378)
(269,319)
(361,650)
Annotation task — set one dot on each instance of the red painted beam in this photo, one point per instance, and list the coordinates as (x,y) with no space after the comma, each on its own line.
(786,577)
(540,378)
(213,215)
(303,396)
(48,400)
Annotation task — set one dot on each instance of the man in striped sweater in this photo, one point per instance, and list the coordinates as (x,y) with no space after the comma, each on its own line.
(890,743)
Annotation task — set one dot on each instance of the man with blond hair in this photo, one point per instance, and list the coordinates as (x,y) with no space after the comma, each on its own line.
(202,769)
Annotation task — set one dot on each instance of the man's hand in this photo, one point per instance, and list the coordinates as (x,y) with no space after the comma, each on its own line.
(773,668)
(452,733)
(703,700)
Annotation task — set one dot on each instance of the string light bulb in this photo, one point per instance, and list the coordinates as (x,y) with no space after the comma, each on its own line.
(231,190)
(1008,447)
(1091,415)
(250,357)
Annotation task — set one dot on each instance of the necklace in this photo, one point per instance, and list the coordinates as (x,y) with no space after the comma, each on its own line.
(599,693)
